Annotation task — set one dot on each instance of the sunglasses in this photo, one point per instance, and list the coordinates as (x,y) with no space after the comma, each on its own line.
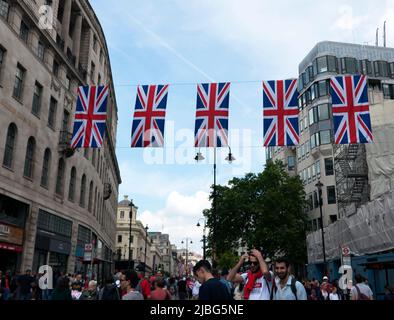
(254,263)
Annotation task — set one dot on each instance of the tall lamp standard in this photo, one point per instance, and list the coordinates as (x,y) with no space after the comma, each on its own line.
(146,245)
(203,237)
(319,187)
(230,158)
(187,240)
(131,205)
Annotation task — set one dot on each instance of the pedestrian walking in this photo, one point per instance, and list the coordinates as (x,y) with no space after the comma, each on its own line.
(110,290)
(361,291)
(211,287)
(160,292)
(24,283)
(91,292)
(62,290)
(182,289)
(129,282)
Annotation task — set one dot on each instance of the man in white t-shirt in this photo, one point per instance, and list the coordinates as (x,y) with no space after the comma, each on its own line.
(361,291)
(257,281)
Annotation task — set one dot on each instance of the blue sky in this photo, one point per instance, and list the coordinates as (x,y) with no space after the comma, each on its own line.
(188,42)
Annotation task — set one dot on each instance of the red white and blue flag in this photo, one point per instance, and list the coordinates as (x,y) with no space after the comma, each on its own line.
(280,111)
(350,109)
(211,127)
(90,117)
(149,116)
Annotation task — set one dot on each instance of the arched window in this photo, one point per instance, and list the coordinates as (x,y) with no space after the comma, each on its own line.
(46,167)
(29,159)
(90,196)
(10,145)
(71,187)
(60,177)
(83,192)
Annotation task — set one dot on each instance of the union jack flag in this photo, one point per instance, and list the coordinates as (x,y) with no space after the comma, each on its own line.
(90,117)
(212,115)
(280,113)
(149,116)
(350,109)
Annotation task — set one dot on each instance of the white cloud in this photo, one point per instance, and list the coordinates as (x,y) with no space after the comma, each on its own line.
(179,218)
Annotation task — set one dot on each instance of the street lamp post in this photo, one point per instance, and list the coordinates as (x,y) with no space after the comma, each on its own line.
(146,245)
(203,237)
(319,186)
(130,220)
(230,158)
(187,240)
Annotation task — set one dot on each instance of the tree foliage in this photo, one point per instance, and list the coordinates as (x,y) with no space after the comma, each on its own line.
(264,210)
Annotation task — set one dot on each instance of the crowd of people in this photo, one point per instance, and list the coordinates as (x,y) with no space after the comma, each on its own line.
(249,279)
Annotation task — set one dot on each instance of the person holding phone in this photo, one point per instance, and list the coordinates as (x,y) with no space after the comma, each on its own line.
(257,280)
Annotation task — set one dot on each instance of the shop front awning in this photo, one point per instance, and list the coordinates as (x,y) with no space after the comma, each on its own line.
(10,247)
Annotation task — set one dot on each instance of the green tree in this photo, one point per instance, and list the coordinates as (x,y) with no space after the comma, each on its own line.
(264,210)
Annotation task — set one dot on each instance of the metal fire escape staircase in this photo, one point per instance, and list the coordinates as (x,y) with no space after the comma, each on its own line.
(351,174)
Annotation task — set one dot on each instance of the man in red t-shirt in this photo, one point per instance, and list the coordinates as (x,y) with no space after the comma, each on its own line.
(144,286)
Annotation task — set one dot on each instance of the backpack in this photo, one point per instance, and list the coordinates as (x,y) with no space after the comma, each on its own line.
(292,286)
(360,295)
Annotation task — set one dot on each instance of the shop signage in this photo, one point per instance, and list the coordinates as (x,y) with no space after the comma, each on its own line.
(11,234)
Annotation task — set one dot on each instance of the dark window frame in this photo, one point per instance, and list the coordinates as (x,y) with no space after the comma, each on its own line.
(37,99)
(12,134)
(46,167)
(28,169)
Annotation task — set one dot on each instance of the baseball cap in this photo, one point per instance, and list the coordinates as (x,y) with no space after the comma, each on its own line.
(325,278)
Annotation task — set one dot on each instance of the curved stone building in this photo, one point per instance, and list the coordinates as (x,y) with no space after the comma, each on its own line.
(53,201)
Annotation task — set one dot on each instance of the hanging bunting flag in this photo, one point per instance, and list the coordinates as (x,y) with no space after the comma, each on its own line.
(350,109)
(280,107)
(212,115)
(90,117)
(149,116)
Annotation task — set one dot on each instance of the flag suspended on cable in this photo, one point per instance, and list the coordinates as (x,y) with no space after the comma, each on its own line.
(350,109)
(211,127)
(149,116)
(280,111)
(90,117)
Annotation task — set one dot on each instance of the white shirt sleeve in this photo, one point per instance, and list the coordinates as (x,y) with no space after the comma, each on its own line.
(244,276)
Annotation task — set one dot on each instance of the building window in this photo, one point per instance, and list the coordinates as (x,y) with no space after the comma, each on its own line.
(331,198)
(4,9)
(99,80)
(83,191)
(122,214)
(52,112)
(2,56)
(323,112)
(10,146)
(60,177)
(24,32)
(349,65)
(315,199)
(325,137)
(388,91)
(323,88)
(92,72)
(68,83)
(55,68)
(291,163)
(322,64)
(90,196)
(94,43)
(29,160)
(37,96)
(71,187)
(381,69)
(119,238)
(318,170)
(332,64)
(312,118)
(46,167)
(40,50)
(366,67)
(19,78)
(329,166)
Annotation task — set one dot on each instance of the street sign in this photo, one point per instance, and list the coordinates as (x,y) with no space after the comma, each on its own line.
(345,251)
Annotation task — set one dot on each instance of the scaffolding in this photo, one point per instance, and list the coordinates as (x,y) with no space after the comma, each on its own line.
(351,175)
